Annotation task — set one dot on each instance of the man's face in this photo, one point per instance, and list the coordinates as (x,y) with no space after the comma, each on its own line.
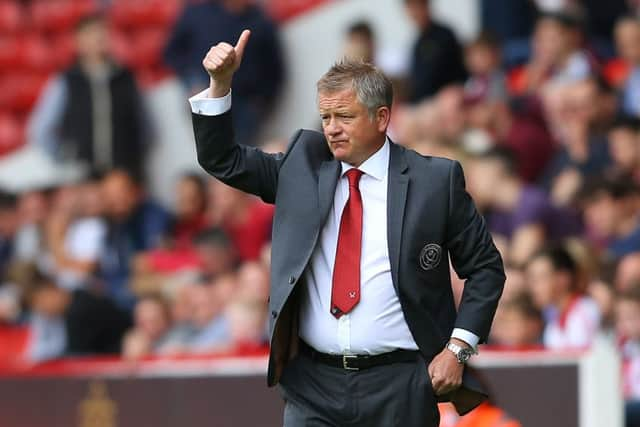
(120,196)
(627,35)
(601,215)
(549,42)
(351,134)
(543,282)
(418,11)
(628,319)
(623,147)
(92,40)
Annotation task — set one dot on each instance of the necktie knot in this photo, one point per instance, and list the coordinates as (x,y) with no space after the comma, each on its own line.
(353,175)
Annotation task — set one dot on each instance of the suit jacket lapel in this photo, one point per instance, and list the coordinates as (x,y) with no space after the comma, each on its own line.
(396,201)
(327,182)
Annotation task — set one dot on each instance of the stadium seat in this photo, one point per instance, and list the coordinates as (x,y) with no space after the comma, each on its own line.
(11,16)
(148,44)
(19,91)
(9,52)
(121,46)
(60,15)
(36,54)
(11,137)
(64,49)
(143,13)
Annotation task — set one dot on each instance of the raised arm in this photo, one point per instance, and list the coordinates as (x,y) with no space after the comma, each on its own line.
(246,168)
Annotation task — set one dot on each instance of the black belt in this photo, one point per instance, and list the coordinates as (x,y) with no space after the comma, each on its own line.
(356,362)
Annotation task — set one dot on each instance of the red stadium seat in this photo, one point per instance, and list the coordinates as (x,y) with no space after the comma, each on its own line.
(121,46)
(60,15)
(11,16)
(148,45)
(19,91)
(142,13)
(29,53)
(9,52)
(64,49)
(37,54)
(11,137)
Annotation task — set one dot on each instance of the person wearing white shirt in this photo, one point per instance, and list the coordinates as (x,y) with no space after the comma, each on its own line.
(362,310)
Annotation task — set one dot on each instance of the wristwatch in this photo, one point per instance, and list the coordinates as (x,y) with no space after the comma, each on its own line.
(462,353)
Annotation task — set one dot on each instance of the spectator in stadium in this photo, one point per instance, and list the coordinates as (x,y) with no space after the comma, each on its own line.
(216,253)
(520,212)
(92,112)
(627,274)
(190,217)
(611,215)
(518,324)
(135,224)
(627,317)
(579,116)
(253,282)
(624,146)
(436,59)
(75,235)
(150,326)
(247,325)
(182,328)
(8,228)
(33,209)
(486,79)
(245,219)
(572,319)
(76,322)
(256,86)
(557,56)
(627,36)
(524,132)
(512,22)
(211,322)
(360,42)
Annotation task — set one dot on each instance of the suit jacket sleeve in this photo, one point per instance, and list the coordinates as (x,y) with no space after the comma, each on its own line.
(246,168)
(475,259)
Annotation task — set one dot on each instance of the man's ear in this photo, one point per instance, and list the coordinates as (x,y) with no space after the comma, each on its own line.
(383,117)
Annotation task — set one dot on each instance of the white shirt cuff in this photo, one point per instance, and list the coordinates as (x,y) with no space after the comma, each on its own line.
(201,103)
(466,336)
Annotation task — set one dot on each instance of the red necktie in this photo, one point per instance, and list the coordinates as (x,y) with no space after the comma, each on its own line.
(345,291)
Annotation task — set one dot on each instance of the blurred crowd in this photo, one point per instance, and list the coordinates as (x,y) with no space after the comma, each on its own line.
(542,108)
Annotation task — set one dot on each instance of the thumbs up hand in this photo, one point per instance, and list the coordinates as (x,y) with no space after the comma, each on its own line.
(222,61)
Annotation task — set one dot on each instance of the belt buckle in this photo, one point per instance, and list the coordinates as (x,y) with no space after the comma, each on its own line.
(345,362)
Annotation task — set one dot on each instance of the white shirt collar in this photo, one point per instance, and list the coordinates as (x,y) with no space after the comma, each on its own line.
(376,165)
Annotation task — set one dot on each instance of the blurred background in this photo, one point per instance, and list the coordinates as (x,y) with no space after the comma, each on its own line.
(122,264)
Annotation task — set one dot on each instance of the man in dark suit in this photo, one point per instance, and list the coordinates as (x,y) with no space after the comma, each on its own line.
(364,330)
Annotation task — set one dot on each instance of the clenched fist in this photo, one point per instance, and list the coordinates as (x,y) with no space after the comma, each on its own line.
(222,61)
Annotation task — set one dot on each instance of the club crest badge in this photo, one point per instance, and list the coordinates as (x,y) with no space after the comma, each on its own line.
(430,256)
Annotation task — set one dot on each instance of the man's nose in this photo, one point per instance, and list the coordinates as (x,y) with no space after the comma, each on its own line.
(333,128)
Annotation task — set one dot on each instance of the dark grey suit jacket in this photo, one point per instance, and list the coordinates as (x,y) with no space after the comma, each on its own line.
(430,217)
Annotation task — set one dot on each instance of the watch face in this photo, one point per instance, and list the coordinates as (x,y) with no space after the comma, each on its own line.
(464,355)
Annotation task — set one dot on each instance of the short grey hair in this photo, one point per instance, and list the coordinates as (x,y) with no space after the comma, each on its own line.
(372,88)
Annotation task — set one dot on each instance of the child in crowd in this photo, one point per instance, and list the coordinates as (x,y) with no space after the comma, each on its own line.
(572,319)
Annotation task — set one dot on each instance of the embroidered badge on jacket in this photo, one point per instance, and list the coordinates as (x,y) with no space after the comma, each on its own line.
(430,256)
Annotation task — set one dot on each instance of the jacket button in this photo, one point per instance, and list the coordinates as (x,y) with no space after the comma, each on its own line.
(274,314)
(292,280)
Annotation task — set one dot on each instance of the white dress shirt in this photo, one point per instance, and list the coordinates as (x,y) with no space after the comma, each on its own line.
(376,324)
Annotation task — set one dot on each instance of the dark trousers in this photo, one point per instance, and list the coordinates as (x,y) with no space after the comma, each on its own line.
(398,394)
